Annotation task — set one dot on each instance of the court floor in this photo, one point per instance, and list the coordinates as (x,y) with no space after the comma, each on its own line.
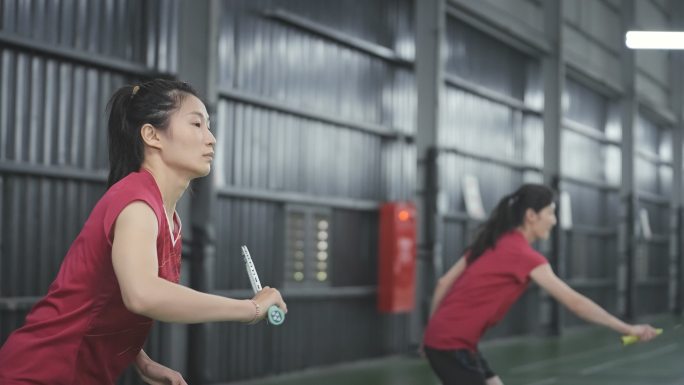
(588,356)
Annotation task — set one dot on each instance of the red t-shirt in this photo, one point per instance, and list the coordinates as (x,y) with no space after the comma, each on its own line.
(81,332)
(482,294)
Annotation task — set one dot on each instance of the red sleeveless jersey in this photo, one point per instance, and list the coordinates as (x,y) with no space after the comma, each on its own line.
(81,332)
(483,293)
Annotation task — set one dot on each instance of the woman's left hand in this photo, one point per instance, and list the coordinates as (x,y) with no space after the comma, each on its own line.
(154,373)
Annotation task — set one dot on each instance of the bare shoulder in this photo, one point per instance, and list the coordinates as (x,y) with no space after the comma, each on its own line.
(137,216)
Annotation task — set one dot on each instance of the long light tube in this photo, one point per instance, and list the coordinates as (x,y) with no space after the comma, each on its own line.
(654,40)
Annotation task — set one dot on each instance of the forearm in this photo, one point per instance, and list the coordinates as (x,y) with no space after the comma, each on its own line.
(580,305)
(168,302)
(588,310)
(437,297)
(445,283)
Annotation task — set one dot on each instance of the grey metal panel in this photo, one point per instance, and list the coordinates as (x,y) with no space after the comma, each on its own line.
(36,99)
(7,105)
(107,18)
(581,155)
(456,235)
(532,142)
(650,16)
(266,53)
(658,217)
(585,106)
(354,243)
(161,45)
(401,112)
(477,124)
(588,205)
(255,224)
(524,12)
(653,72)
(655,300)
(596,19)
(44,216)
(500,68)
(518,23)
(21,108)
(298,162)
(109,27)
(587,57)
(151,33)
(9,14)
(10,320)
(376,22)
(655,141)
(399,175)
(80,26)
(590,151)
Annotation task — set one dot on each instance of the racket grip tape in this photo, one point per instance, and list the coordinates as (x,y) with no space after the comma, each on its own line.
(275,315)
(628,340)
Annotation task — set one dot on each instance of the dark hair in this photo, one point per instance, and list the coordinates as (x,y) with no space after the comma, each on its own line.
(130,108)
(508,214)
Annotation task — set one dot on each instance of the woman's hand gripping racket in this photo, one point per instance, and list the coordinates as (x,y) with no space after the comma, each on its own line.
(275,315)
(629,340)
(632,339)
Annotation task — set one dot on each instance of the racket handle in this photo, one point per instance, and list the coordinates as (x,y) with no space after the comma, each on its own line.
(276,316)
(628,340)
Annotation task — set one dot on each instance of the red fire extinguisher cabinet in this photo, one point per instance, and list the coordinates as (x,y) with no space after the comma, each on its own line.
(397,257)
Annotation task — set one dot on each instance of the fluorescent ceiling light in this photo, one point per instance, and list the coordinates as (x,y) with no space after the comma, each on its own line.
(654,40)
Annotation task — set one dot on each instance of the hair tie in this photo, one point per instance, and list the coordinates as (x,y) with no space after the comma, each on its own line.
(135,90)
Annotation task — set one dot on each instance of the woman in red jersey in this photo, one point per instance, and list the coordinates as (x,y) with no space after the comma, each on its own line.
(122,271)
(479,289)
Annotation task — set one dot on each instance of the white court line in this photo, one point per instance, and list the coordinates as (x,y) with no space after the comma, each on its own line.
(546,381)
(536,365)
(609,364)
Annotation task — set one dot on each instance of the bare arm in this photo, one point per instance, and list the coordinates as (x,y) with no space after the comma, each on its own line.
(134,256)
(445,283)
(582,306)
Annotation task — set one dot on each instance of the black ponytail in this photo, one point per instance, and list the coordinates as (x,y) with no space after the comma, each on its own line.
(130,108)
(508,214)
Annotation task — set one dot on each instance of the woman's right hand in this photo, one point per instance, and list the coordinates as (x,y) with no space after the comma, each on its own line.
(267,297)
(643,332)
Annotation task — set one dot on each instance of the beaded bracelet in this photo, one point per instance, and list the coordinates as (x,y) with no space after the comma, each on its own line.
(257,312)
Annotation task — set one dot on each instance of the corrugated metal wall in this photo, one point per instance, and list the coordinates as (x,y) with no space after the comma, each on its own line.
(317,116)
(589,146)
(653,172)
(653,168)
(316,111)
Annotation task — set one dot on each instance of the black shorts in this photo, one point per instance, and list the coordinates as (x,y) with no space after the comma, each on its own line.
(460,366)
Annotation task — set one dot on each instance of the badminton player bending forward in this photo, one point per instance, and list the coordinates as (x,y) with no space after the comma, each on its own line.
(480,288)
